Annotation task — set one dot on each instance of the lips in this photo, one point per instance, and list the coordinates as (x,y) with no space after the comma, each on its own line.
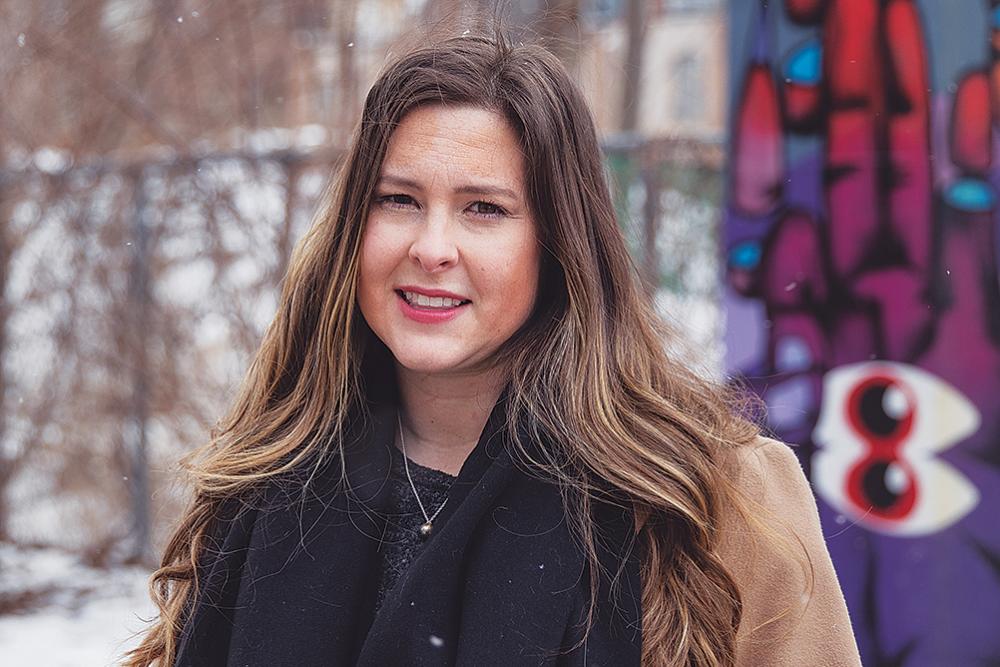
(429,306)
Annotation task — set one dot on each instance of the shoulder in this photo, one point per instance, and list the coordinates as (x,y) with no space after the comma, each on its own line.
(768,526)
(771,542)
(771,506)
(766,468)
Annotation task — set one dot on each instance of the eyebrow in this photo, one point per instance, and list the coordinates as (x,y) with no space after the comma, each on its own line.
(467,189)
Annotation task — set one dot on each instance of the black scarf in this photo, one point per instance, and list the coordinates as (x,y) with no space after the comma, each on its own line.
(291,578)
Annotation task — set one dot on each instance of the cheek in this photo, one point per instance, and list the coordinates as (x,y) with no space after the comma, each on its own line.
(517,272)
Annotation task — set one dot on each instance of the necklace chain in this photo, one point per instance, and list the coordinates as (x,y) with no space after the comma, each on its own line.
(427,527)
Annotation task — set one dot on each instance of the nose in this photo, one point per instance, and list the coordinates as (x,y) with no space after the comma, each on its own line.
(434,246)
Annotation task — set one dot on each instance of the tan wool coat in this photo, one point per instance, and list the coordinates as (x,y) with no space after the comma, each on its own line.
(793,609)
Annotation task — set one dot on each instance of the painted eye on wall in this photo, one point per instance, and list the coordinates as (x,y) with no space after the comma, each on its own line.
(880,427)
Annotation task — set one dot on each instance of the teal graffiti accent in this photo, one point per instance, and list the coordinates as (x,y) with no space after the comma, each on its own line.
(745,255)
(805,63)
(971,195)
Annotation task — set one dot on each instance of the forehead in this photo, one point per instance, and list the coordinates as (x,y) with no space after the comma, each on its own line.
(453,142)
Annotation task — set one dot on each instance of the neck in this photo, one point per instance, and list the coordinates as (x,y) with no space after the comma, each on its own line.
(443,417)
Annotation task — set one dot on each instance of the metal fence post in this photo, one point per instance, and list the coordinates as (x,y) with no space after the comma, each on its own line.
(136,443)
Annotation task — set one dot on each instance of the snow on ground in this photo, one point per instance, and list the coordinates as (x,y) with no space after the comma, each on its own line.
(78,616)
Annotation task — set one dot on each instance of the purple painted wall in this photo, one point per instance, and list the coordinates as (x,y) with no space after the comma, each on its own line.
(862,297)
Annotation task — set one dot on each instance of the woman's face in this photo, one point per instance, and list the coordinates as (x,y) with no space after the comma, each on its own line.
(450,257)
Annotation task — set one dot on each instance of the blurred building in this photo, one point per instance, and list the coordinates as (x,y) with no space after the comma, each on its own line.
(682,80)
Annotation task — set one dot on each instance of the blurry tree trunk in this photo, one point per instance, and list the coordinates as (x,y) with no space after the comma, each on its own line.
(285,239)
(635,41)
(135,422)
(241,27)
(8,459)
(345,31)
(650,223)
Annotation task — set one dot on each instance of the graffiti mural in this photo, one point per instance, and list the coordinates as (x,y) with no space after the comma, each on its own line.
(863,301)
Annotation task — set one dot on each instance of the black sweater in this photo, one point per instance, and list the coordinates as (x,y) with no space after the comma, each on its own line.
(292,577)
(403,517)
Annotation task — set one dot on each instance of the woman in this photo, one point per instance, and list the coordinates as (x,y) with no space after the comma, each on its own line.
(461,441)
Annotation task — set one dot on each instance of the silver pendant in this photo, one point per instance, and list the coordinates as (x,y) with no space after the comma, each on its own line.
(426,529)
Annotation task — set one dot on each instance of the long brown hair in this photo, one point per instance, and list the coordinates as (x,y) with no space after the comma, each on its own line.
(589,370)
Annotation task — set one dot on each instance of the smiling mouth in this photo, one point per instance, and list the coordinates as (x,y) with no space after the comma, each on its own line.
(424,302)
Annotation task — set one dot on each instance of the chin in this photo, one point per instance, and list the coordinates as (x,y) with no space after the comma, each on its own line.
(430,363)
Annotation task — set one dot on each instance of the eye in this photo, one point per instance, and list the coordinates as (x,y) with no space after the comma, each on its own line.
(396,201)
(487,209)
(878,434)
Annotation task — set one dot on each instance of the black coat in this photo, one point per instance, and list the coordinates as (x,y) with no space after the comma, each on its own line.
(291,578)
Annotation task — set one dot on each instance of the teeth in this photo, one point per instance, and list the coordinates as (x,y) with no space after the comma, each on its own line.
(431,301)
